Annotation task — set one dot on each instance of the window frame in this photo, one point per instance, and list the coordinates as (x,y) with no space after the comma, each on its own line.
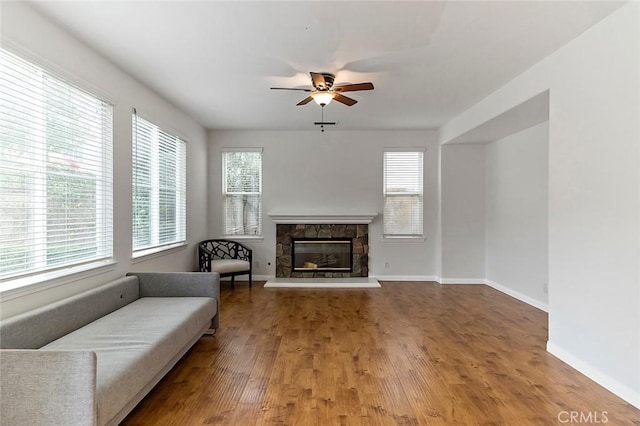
(225,234)
(97,168)
(156,246)
(400,237)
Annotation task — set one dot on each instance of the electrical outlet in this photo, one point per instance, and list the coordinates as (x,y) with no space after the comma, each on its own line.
(386,265)
(257,263)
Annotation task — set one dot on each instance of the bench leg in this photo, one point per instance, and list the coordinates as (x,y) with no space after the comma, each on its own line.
(233,281)
(250,282)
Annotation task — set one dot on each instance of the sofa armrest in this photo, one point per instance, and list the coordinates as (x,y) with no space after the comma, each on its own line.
(181,284)
(47,387)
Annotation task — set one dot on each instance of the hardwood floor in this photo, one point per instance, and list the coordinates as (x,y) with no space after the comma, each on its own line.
(404,354)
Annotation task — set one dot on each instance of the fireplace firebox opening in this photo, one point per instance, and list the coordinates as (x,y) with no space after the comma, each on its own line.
(322,254)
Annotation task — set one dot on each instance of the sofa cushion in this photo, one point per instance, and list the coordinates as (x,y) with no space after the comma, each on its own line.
(224,266)
(135,342)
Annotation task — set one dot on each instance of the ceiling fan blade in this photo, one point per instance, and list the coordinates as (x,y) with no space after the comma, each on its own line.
(305,101)
(318,80)
(343,99)
(291,88)
(353,87)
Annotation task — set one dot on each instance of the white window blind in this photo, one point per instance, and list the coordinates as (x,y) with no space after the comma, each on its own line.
(159,188)
(55,172)
(242,192)
(403,194)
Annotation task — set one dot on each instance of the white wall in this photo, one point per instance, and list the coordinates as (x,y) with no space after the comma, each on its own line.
(594,195)
(463,213)
(27,33)
(516,214)
(332,172)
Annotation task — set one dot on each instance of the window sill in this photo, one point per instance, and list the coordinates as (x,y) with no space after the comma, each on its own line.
(154,252)
(32,284)
(404,239)
(243,237)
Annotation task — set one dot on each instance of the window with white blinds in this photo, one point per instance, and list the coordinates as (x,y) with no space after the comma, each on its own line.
(55,172)
(403,194)
(242,192)
(159,188)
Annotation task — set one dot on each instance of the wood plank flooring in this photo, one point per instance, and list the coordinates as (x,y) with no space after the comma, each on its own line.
(405,354)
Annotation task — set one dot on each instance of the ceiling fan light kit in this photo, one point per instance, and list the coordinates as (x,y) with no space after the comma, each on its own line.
(323,98)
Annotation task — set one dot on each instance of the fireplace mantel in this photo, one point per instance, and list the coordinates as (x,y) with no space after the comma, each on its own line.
(319,219)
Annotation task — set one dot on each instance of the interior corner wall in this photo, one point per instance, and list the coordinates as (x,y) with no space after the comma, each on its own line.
(335,172)
(594,195)
(517,214)
(27,33)
(463,214)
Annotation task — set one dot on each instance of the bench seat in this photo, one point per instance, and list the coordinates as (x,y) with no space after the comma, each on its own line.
(225,266)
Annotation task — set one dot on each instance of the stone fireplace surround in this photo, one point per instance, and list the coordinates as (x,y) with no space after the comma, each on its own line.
(322,226)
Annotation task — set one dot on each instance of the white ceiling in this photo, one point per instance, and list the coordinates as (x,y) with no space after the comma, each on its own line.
(428,60)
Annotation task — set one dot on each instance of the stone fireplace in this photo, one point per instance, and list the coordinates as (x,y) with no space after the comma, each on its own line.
(334,246)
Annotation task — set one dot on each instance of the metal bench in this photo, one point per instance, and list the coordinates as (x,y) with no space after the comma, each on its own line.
(226,257)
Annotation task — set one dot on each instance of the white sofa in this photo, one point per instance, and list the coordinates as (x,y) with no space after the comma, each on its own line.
(91,358)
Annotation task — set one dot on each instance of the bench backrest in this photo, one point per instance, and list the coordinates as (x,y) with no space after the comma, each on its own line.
(36,328)
(210,250)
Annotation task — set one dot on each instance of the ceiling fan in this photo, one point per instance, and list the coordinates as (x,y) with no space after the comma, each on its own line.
(325,91)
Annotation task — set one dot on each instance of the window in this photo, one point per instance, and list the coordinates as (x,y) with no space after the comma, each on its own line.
(55,172)
(159,188)
(403,197)
(242,192)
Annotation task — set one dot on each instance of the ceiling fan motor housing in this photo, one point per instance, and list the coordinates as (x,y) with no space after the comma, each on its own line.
(328,81)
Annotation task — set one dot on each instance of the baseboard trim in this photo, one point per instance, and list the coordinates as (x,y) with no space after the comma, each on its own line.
(462,281)
(517,295)
(246,278)
(405,277)
(604,380)
(262,277)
